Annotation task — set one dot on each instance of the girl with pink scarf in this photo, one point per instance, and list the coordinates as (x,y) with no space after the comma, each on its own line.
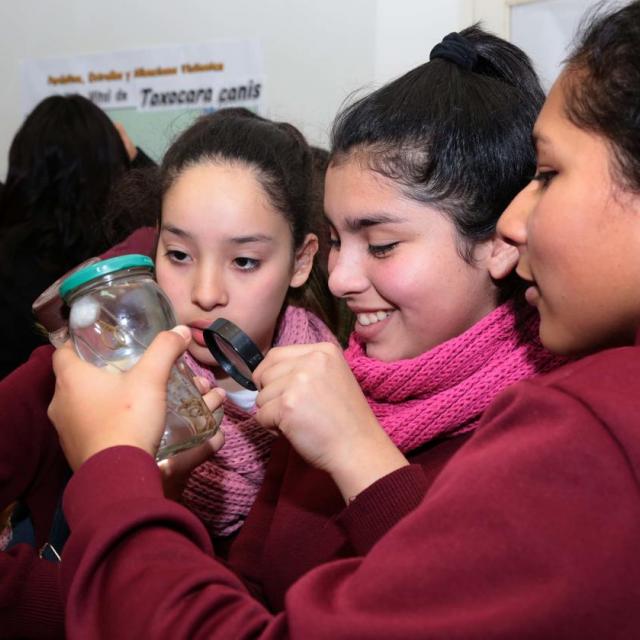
(420,172)
(235,241)
(412,201)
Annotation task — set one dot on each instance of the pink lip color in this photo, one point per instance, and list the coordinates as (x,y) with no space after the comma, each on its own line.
(198,336)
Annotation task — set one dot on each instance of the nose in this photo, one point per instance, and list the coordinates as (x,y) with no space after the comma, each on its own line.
(209,288)
(347,274)
(512,225)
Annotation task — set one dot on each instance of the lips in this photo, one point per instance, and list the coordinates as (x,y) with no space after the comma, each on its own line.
(201,324)
(198,336)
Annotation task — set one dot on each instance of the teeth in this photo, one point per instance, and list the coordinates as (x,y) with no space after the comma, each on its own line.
(366,319)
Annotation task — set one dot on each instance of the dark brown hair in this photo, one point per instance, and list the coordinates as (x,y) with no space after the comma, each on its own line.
(602,87)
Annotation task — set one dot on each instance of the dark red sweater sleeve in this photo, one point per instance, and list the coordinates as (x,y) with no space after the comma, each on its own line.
(381,506)
(530,532)
(142,241)
(33,470)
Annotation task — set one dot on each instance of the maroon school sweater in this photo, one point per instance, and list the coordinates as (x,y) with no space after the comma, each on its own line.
(301,509)
(530,531)
(33,470)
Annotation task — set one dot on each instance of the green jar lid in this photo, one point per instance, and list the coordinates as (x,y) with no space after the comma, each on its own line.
(103,268)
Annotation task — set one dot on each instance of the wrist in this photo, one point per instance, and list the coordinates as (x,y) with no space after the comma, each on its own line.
(365,463)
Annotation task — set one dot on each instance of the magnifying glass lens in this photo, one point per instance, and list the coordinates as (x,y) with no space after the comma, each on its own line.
(233,357)
(233,350)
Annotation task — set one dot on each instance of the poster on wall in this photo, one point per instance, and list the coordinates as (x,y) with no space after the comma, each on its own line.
(154,93)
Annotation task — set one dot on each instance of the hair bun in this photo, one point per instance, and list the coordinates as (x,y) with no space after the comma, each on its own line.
(457,49)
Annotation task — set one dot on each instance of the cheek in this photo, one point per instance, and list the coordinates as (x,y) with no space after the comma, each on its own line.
(265,291)
(270,293)
(173,286)
(398,285)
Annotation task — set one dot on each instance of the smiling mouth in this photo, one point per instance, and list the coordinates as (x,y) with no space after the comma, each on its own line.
(366,319)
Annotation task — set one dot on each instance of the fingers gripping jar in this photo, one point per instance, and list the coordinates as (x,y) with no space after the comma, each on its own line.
(116,309)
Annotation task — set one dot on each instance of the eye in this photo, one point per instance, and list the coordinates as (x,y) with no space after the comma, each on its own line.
(176,256)
(334,243)
(545,177)
(246,264)
(382,250)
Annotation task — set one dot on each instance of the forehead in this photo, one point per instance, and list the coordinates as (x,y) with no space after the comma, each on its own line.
(552,120)
(354,190)
(216,177)
(557,136)
(358,198)
(230,188)
(212,199)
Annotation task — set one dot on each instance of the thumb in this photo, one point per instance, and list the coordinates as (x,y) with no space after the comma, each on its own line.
(156,362)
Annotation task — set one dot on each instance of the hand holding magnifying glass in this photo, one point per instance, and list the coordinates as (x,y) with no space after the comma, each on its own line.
(333,428)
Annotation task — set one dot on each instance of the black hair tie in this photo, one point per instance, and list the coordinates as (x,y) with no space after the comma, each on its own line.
(457,49)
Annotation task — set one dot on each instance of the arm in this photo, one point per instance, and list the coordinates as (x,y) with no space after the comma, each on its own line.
(518,537)
(142,241)
(33,470)
(137,157)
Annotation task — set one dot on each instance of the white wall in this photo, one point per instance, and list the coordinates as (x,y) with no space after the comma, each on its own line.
(316,51)
(407,31)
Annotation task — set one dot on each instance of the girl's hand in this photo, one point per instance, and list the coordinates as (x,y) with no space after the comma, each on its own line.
(309,393)
(94,409)
(177,469)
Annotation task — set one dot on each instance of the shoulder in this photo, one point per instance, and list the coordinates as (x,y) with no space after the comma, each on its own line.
(36,375)
(605,384)
(25,395)
(301,326)
(142,241)
(582,416)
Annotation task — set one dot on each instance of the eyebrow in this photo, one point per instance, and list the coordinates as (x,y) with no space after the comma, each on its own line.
(176,231)
(539,139)
(356,224)
(258,237)
(240,240)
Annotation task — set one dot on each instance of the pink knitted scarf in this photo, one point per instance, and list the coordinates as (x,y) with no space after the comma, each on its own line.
(221,490)
(444,391)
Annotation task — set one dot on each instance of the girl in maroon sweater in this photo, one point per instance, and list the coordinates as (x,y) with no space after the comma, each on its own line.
(435,340)
(415,257)
(234,234)
(531,529)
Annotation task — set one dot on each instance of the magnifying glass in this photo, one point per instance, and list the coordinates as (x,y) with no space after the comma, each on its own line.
(233,350)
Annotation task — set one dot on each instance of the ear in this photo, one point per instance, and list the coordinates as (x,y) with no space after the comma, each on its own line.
(303,261)
(502,259)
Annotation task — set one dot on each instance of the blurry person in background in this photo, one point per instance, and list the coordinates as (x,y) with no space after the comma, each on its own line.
(63,164)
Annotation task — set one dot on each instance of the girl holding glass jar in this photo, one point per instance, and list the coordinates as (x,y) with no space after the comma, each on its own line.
(530,531)
(235,241)
(417,181)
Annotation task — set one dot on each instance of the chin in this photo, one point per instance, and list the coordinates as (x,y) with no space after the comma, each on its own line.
(385,353)
(564,343)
